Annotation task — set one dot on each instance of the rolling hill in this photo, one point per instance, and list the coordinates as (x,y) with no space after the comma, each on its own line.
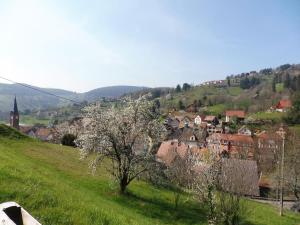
(32,99)
(58,189)
(110,92)
(274,84)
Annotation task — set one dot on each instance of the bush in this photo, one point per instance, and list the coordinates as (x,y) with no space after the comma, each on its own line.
(68,140)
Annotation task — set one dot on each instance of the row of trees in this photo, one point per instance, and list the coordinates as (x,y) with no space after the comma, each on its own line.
(185,87)
(289,82)
(247,83)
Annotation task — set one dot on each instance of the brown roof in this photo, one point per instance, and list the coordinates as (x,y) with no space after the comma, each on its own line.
(237,113)
(235,137)
(168,151)
(187,133)
(209,118)
(25,129)
(174,134)
(268,135)
(43,132)
(239,177)
(203,125)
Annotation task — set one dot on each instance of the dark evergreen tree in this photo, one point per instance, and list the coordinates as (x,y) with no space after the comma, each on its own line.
(228,81)
(186,87)
(284,67)
(293,84)
(298,83)
(178,88)
(287,81)
(245,83)
(181,105)
(274,85)
(293,116)
(200,103)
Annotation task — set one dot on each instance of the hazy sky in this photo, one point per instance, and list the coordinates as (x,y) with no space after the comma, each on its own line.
(81,45)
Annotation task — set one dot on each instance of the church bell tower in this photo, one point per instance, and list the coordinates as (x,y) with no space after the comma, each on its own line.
(14,116)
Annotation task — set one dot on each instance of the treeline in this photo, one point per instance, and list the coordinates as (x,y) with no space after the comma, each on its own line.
(247,83)
(293,116)
(185,87)
(290,82)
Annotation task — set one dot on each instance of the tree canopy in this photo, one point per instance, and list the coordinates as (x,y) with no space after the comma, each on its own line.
(125,135)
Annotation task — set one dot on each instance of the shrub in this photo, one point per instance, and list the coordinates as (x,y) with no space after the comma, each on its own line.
(68,140)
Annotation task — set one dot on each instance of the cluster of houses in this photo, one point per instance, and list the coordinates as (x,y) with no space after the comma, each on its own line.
(193,134)
(216,83)
(40,132)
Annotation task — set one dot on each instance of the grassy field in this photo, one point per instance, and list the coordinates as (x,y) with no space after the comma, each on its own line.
(216,109)
(275,116)
(197,93)
(279,87)
(296,129)
(29,120)
(57,188)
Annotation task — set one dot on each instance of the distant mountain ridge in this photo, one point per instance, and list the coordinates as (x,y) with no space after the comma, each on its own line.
(33,100)
(111,92)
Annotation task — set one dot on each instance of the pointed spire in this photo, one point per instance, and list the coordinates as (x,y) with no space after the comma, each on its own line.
(15,106)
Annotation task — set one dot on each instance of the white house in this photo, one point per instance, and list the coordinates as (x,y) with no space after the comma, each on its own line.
(198,120)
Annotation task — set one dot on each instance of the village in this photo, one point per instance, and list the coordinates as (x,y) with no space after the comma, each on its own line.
(194,135)
(190,134)
(149,112)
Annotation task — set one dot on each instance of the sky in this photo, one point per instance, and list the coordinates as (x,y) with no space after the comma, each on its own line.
(80,45)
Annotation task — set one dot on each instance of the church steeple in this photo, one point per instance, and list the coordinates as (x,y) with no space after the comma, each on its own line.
(16,106)
(14,116)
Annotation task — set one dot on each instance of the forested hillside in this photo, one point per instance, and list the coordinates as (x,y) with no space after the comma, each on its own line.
(253,91)
(36,98)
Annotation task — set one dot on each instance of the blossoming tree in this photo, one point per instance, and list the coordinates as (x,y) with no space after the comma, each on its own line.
(127,135)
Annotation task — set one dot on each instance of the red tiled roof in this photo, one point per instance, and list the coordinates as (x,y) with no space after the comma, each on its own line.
(236,138)
(237,113)
(284,103)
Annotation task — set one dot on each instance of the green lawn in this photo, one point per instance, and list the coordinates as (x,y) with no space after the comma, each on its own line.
(57,188)
(276,116)
(296,129)
(279,87)
(234,91)
(216,109)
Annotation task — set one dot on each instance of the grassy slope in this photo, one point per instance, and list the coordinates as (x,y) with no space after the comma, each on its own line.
(57,188)
(197,93)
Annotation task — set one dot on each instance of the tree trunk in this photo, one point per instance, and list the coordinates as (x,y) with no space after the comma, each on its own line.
(123,184)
